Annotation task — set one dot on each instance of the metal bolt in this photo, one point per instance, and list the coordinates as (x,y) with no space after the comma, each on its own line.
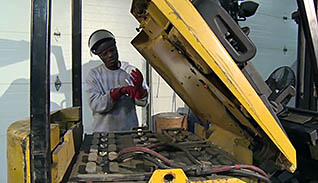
(102,153)
(140,133)
(103,145)
(104,139)
(103,134)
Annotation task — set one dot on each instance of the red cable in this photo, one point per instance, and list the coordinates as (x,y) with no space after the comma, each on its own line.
(251,167)
(224,168)
(145,150)
(238,166)
(214,170)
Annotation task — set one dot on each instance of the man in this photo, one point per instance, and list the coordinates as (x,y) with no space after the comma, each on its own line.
(114,87)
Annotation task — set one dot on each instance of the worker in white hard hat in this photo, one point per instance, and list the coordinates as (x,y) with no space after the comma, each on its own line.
(114,87)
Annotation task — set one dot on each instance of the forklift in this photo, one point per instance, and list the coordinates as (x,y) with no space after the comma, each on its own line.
(246,132)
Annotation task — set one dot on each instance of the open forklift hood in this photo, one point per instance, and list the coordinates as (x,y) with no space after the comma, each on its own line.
(180,45)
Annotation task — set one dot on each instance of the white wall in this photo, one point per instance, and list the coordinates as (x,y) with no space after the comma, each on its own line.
(271,33)
(164,99)
(14,69)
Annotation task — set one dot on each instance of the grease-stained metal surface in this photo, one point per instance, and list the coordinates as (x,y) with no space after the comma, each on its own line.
(202,96)
(210,100)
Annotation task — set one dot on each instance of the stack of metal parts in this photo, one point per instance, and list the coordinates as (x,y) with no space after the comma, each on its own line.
(132,156)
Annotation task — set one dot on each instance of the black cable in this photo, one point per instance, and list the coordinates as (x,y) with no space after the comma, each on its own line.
(189,155)
(175,145)
(156,162)
(249,174)
(192,170)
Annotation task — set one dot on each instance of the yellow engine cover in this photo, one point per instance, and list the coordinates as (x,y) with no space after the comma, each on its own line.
(169,24)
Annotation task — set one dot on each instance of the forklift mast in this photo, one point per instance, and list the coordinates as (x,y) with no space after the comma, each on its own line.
(40,147)
(307,53)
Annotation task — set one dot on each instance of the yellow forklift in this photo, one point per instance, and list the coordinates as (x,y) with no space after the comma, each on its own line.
(245,133)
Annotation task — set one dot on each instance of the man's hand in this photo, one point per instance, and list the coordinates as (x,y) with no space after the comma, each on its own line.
(116,93)
(137,79)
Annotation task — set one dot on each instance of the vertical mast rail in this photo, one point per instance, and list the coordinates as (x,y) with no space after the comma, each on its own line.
(77,53)
(40,153)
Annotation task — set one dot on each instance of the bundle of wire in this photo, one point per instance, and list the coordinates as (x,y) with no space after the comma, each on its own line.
(198,169)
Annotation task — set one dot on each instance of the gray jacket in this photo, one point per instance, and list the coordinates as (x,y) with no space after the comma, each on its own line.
(110,115)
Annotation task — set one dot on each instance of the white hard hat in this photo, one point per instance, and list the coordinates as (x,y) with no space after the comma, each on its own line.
(98,37)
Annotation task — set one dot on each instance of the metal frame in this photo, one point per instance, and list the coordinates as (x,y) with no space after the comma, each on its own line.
(310,25)
(77,61)
(307,73)
(77,52)
(301,50)
(304,94)
(40,153)
(149,121)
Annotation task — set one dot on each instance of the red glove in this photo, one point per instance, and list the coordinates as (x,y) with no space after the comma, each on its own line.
(116,93)
(137,79)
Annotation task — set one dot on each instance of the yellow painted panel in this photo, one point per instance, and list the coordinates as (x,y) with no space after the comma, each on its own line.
(228,142)
(187,81)
(18,151)
(179,177)
(62,157)
(200,131)
(66,115)
(17,144)
(189,23)
(55,135)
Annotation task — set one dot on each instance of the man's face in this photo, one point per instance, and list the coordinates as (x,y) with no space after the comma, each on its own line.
(109,56)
